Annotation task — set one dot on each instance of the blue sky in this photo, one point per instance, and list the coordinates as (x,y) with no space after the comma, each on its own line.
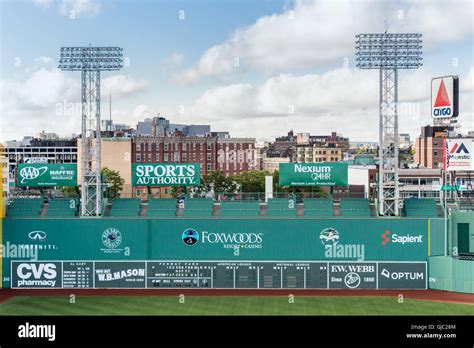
(255,68)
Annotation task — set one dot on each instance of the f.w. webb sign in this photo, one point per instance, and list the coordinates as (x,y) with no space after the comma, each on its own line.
(166,174)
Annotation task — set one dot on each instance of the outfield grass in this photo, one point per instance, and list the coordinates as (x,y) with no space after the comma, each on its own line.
(224,305)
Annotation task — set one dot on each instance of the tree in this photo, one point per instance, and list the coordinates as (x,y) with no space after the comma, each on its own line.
(115,182)
(218,182)
(252,181)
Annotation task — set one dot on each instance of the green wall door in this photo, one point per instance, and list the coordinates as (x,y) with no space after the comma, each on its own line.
(463,237)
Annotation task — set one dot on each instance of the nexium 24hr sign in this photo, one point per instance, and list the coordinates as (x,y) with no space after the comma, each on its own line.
(313,174)
(166,174)
(37,174)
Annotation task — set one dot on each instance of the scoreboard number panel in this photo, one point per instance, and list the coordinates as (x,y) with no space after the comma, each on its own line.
(220,274)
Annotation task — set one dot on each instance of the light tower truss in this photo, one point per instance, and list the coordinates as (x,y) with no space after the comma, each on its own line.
(91,61)
(388,52)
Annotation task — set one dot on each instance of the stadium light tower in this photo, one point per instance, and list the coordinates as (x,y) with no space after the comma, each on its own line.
(91,61)
(388,52)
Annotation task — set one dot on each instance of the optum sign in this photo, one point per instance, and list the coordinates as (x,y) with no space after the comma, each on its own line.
(313,174)
(166,174)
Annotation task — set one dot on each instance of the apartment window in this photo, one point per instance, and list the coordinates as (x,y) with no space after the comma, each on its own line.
(194,147)
(209,167)
(185,157)
(139,157)
(185,147)
(166,145)
(208,156)
(149,157)
(208,147)
(137,147)
(166,159)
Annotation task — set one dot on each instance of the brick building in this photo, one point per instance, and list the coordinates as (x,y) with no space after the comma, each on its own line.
(232,156)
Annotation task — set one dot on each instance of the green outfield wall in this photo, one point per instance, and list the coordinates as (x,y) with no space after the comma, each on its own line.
(220,240)
(446,273)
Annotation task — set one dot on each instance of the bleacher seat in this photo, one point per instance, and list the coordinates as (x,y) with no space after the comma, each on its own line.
(240,208)
(355,207)
(125,207)
(163,207)
(318,207)
(62,207)
(25,207)
(198,207)
(420,207)
(281,207)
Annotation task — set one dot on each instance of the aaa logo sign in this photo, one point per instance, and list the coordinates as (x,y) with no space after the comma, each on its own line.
(37,175)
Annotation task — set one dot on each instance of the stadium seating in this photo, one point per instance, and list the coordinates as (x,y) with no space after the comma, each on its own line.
(355,207)
(25,207)
(240,208)
(198,207)
(62,207)
(318,207)
(420,207)
(125,207)
(280,207)
(163,207)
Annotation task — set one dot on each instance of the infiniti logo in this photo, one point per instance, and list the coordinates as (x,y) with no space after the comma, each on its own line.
(37,235)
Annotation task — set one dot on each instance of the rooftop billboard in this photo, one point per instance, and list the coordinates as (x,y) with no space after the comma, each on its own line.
(47,174)
(313,174)
(166,174)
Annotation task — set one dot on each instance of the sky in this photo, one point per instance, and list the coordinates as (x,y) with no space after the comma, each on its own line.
(253,68)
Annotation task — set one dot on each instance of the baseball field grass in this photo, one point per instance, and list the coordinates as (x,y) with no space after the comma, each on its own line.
(228,305)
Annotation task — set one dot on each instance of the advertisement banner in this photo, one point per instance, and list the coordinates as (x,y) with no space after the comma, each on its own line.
(220,275)
(444,97)
(36,274)
(458,154)
(313,174)
(119,274)
(54,174)
(166,174)
(399,275)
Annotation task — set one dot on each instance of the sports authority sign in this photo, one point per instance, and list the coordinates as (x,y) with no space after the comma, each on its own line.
(37,174)
(445,97)
(458,154)
(313,174)
(166,174)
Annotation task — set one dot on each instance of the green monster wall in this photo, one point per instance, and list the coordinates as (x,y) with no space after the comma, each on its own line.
(220,239)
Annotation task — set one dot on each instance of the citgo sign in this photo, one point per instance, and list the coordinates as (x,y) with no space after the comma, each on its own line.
(313,174)
(166,174)
(37,175)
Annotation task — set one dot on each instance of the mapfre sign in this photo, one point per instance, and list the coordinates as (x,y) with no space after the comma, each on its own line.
(445,97)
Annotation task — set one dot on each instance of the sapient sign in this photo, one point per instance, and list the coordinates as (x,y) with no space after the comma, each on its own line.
(166,174)
(313,174)
(37,174)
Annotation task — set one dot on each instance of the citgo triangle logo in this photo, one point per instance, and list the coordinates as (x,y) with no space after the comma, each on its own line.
(442,98)
(458,148)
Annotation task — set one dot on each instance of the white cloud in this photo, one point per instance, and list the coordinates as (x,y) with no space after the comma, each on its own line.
(78,8)
(44,60)
(345,100)
(50,100)
(321,32)
(122,86)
